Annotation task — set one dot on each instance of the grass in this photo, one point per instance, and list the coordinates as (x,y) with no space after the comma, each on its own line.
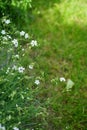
(63,39)
(60,28)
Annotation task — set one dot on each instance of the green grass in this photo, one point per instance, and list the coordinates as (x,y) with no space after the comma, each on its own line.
(61,30)
(60,27)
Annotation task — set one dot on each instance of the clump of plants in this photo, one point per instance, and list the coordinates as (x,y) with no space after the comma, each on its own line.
(18,10)
(20,106)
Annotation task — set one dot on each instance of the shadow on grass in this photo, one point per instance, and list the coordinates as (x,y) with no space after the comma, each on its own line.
(44,4)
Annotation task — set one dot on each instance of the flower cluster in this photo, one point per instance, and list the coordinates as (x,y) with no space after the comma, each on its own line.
(15,42)
(18,74)
(3,127)
(22,33)
(6,21)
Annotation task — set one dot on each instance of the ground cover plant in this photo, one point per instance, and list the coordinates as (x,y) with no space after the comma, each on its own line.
(19,101)
(43,66)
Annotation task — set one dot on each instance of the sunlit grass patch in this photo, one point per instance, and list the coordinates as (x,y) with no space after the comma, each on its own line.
(74,11)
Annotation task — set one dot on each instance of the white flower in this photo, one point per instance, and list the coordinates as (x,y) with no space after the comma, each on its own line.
(31,66)
(16,56)
(37,82)
(22,33)
(7,70)
(62,79)
(5,38)
(33,43)
(9,36)
(22,49)
(3,32)
(21,69)
(2,127)
(15,128)
(26,36)
(14,67)
(7,21)
(15,42)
